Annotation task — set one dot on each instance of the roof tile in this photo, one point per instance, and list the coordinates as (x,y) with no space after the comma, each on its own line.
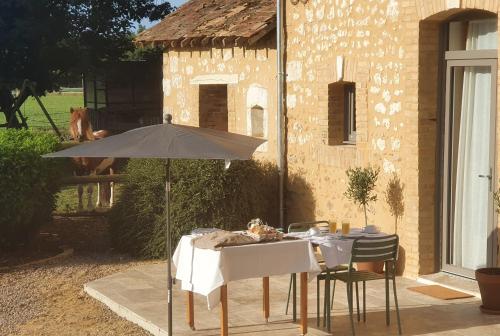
(214,18)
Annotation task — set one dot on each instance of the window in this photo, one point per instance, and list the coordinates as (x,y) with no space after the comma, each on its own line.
(95,92)
(341,113)
(350,112)
(257,121)
(213,107)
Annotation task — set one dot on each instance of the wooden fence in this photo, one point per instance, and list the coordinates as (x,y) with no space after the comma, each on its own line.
(74,180)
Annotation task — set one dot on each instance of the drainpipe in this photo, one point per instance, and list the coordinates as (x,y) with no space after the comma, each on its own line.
(280,110)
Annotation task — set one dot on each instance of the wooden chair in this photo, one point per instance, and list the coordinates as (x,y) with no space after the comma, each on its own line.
(324,275)
(372,249)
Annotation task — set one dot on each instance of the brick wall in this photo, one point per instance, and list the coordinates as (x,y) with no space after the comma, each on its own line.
(390,49)
(335,113)
(429,92)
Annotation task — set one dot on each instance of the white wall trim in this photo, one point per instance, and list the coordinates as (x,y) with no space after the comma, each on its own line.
(215,79)
(257,95)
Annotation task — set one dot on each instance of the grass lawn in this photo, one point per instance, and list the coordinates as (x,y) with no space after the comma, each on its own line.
(57,105)
(67,198)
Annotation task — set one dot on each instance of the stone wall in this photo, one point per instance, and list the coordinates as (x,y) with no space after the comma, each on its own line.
(390,49)
(249,75)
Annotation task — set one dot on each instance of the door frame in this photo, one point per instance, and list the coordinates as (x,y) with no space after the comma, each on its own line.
(456,59)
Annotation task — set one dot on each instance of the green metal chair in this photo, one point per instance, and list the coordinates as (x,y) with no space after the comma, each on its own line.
(372,249)
(327,275)
(324,275)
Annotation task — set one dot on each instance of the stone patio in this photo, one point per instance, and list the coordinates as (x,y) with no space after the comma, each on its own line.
(139,295)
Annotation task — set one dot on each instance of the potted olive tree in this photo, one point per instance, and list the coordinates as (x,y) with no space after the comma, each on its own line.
(361,190)
(360,187)
(488,280)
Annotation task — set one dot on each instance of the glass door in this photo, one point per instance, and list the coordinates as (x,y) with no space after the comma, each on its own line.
(469,240)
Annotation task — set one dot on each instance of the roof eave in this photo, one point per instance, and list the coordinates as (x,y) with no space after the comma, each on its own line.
(208,41)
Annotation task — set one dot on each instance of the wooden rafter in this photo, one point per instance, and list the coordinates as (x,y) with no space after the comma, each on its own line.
(217,41)
(185,42)
(206,41)
(195,42)
(228,41)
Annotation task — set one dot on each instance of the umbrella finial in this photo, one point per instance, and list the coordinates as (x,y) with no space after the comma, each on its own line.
(169,118)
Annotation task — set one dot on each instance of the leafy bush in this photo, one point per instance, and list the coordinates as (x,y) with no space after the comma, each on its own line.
(27,184)
(203,195)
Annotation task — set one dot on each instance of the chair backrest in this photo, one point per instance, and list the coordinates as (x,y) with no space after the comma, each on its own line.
(375,249)
(304,226)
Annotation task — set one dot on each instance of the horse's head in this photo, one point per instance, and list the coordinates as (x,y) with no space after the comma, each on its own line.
(80,127)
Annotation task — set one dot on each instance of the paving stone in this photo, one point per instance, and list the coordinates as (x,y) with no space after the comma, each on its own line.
(143,301)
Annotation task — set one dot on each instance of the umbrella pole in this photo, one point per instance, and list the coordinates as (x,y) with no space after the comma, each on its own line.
(169,247)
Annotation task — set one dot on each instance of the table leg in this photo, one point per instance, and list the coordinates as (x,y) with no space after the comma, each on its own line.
(265,299)
(294,297)
(190,310)
(223,318)
(303,302)
(327,301)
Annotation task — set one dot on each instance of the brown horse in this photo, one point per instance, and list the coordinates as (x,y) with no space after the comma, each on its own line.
(81,130)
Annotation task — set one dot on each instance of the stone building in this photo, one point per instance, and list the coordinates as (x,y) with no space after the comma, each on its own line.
(423,76)
(219,66)
(408,86)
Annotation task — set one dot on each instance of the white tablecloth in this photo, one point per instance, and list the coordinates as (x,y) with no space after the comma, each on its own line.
(335,248)
(204,271)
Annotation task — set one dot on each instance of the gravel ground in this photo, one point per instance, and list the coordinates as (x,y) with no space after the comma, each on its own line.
(48,299)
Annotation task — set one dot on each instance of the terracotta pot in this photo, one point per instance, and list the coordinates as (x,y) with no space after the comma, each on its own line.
(373,266)
(488,280)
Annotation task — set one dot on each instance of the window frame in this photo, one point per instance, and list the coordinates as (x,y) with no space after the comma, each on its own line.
(349,113)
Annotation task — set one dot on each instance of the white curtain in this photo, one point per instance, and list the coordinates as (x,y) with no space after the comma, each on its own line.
(482,34)
(471,208)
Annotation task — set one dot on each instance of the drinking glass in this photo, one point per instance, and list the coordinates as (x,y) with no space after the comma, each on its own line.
(346,228)
(333,226)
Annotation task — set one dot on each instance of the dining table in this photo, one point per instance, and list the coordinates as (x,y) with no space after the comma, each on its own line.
(335,248)
(209,271)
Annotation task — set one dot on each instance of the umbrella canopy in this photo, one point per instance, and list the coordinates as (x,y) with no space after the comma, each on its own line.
(168,141)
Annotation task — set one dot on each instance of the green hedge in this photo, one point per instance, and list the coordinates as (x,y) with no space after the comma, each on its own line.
(203,195)
(27,184)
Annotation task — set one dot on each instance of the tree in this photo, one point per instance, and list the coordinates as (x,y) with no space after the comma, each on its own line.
(394,197)
(48,41)
(361,185)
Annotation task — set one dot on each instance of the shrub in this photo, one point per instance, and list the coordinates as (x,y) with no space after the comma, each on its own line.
(203,195)
(27,184)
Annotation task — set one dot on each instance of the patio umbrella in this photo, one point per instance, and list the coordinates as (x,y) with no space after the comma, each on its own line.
(168,141)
